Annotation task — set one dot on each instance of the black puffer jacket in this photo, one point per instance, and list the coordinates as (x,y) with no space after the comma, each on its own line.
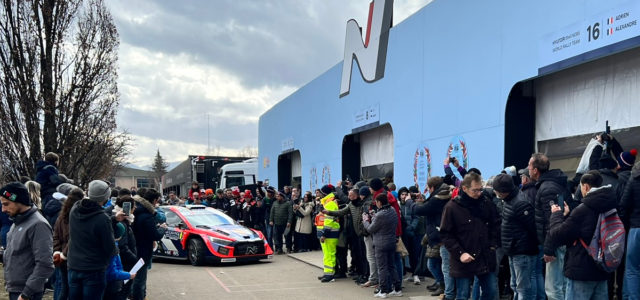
(611,178)
(432,210)
(550,185)
(530,191)
(470,226)
(145,230)
(580,224)
(630,202)
(518,225)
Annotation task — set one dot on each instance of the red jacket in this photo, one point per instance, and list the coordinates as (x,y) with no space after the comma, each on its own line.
(394,203)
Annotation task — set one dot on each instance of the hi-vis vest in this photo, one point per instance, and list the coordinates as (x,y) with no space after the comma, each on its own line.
(327,224)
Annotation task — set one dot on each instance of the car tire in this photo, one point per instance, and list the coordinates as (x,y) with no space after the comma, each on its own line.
(196,252)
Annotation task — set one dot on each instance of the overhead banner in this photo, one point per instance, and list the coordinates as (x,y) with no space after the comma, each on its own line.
(608,32)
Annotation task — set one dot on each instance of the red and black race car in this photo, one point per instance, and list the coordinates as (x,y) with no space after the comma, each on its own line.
(200,234)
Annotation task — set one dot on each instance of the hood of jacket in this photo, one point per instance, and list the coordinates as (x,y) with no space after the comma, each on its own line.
(142,202)
(601,199)
(555,175)
(86,209)
(443,192)
(41,164)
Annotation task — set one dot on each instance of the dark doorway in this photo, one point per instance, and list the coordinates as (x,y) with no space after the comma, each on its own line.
(289,169)
(519,126)
(351,157)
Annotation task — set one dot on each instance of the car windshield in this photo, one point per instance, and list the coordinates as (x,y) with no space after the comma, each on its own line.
(206,218)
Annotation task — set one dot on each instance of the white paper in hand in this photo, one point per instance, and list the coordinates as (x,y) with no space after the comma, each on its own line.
(135,268)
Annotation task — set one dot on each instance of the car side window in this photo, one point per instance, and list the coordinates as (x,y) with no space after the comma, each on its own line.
(173,219)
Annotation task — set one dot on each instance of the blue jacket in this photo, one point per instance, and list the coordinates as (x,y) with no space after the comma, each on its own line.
(114,271)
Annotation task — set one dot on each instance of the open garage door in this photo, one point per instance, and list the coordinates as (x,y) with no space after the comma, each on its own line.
(368,154)
(563,110)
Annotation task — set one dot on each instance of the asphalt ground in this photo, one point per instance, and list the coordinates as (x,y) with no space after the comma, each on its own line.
(283,277)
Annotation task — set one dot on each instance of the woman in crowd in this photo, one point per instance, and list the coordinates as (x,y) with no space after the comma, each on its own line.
(304,225)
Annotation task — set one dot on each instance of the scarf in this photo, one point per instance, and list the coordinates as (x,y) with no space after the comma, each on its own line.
(475,206)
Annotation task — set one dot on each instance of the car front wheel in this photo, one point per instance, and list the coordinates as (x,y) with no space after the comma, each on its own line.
(196,252)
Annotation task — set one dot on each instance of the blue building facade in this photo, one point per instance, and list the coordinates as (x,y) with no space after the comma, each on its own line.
(471,79)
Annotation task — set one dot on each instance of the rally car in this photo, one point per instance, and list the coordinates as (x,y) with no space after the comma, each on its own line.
(199,234)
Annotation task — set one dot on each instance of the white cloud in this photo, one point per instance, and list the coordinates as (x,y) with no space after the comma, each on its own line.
(230,59)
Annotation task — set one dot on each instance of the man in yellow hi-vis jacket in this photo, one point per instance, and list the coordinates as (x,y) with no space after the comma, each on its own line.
(328,231)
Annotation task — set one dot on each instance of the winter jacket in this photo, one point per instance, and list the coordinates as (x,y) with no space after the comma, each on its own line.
(382,227)
(630,202)
(281,213)
(530,191)
(51,210)
(28,255)
(354,211)
(145,231)
(91,243)
(518,234)
(304,225)
(61,236)
(394,203)
(47,177)
(115,271)
(549,185)
(581,224)
(470,226)
(127,243)
(432,210)
(611,178)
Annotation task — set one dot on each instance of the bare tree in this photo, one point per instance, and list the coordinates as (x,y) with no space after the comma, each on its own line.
(248,151)
(58,85)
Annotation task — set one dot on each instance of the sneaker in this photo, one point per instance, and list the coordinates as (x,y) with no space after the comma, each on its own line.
(380,294)
(340,275)
(416,280)
(327,278)
(395,293)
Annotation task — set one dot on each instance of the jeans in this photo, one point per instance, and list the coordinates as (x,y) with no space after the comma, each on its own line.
(278,232)
(86,285)
(487,284)
(522,267)
(475,293)
(139,286)
(587,290)
(537,278)
(631,285)
(14,296)
(386,258)
(269,231)
(434,264)
(449,282)
(61,286)
(399,262)
(555,282)
(371,259)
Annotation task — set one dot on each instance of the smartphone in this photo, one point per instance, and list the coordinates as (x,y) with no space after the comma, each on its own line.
(560,201)
(126,208)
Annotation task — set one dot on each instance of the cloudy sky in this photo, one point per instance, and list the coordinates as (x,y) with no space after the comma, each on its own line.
(230,59)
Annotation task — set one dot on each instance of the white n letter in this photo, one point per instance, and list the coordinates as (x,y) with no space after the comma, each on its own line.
(370,54)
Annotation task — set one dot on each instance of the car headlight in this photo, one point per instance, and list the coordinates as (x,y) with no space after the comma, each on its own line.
(220,241)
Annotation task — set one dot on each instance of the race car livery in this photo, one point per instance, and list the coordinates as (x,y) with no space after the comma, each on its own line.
(198,234)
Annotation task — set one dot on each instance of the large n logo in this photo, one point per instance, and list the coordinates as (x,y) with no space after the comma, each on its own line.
(370,54)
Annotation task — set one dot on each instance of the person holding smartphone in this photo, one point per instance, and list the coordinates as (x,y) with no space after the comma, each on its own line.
(125,205)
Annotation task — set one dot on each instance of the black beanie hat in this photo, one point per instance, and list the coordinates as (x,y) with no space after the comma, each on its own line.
(403,190)
(327,189)
(375,184)
(413,189)
(16,192)
(364,191)
(503,183)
